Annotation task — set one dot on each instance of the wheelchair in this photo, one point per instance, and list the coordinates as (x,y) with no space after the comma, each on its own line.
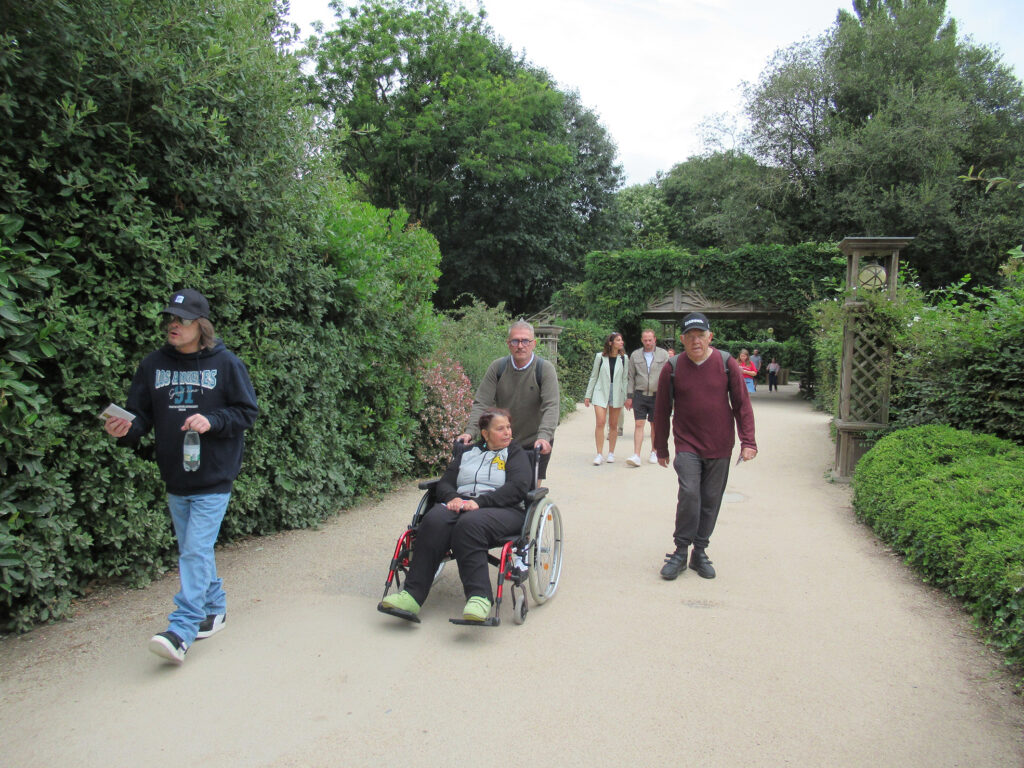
(530,562)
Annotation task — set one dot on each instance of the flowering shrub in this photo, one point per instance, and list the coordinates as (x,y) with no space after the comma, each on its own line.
(447,399)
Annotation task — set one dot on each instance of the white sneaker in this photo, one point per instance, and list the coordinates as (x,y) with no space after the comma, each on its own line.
(598,460)
(633,461)
(611,458)
(654,458)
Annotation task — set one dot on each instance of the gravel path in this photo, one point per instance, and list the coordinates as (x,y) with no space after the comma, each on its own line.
(813,647)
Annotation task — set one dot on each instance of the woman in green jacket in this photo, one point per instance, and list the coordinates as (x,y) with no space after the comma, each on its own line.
(607,390)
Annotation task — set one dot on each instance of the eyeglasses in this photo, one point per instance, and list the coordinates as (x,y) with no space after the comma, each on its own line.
(168,319)
(519,342)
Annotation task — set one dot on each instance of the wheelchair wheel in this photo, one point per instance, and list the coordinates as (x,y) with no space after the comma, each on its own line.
(545,552)
(519,606)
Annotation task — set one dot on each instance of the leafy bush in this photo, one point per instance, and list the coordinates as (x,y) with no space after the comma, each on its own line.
(960,364)
(955,356)
(447,399)
(577,345)
(146,147)
(475,335)
(950,501)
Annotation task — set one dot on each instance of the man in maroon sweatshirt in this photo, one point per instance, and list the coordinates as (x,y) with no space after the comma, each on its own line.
(706,402)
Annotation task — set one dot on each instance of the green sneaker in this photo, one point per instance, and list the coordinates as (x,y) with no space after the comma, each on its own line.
(477,608)
(402,601)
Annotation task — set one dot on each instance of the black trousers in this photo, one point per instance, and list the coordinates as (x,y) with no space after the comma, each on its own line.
(701,487)
(468,535)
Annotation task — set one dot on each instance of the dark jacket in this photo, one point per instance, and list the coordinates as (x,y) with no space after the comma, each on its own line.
(169,387)
(518,480)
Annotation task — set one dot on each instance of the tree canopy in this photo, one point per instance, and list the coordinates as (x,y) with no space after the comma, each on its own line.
(874,121)
(436,116)
(865,131)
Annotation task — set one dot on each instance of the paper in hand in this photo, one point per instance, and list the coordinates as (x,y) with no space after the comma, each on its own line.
(117,411)
(739,460)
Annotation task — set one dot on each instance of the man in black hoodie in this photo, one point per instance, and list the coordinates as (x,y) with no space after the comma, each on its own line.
(192,384)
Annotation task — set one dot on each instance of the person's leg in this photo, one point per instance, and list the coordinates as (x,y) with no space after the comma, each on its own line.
(613,428)
(474,533)
(433,540)
(197,522)
(600,414)
(714,476)
(688,472)
(638,435)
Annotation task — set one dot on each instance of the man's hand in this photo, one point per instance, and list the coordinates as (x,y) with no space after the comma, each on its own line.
(117,427)
(629,403)
(748,453)
(465,438)
(198,422)
(663,461)
(543,445)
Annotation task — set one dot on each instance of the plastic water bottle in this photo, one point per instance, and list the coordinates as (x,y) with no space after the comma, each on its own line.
(190,451)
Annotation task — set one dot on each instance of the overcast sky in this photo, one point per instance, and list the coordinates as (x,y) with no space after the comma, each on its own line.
(653,70)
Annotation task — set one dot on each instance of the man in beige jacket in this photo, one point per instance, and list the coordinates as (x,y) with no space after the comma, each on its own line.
(642,384)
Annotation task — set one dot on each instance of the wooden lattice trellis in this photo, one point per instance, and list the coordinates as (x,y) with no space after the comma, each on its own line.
(866,396)
(867,349)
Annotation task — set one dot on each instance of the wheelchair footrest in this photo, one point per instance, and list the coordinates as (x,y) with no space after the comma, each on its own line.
(399,613)
(493,621)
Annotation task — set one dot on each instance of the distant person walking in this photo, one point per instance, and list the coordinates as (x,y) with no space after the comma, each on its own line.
(701,403)
(607,390)
(645,366)
(192,384)
(755,358)
(773,374)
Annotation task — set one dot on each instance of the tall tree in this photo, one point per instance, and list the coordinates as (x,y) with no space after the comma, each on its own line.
(873,122)
(721,201)
(436,116)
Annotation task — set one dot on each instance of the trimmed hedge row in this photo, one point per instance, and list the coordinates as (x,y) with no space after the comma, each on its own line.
(951,502)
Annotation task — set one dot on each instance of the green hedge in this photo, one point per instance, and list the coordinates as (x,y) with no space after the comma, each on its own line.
(950,502)
(960,361)
(620,284)
(146,147)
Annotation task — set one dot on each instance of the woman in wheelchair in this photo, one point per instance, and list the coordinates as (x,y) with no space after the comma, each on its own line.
(479,502)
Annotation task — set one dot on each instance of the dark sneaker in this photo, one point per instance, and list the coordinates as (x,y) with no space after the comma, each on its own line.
(169,646)
(700,563)
(675,563)
(211,625)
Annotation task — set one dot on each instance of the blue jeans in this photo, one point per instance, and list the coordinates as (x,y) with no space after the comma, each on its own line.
(197,522)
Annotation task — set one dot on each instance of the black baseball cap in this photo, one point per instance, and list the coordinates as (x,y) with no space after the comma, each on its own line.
(188,304)
(695,321)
